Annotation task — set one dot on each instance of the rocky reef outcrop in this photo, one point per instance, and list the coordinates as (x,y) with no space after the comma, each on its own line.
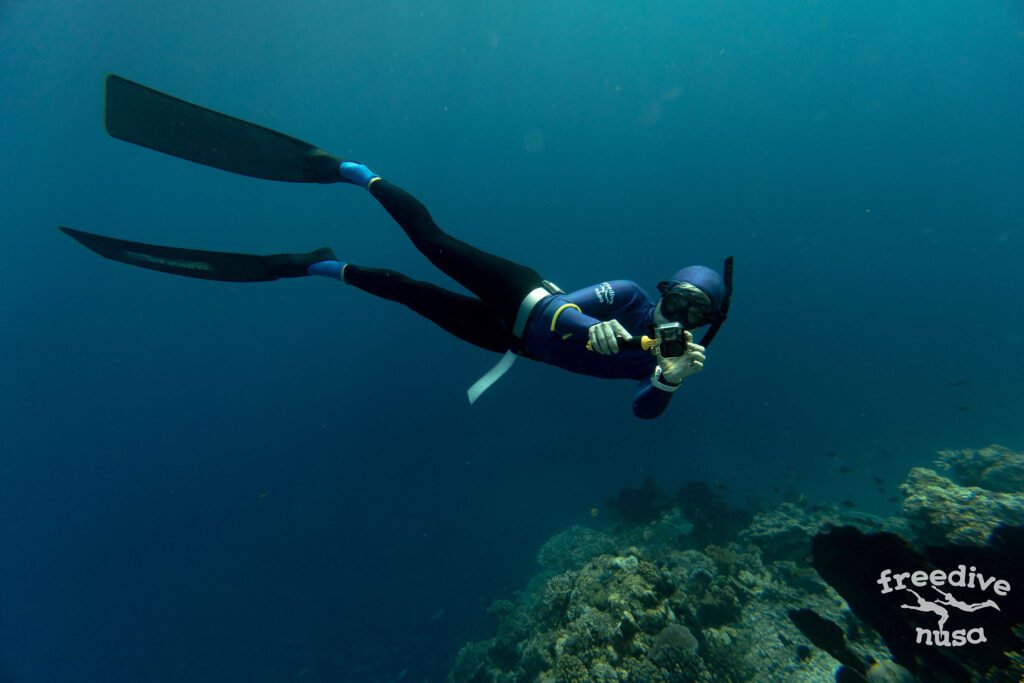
(982,489)
(993,468)
(636,602)
(684,588)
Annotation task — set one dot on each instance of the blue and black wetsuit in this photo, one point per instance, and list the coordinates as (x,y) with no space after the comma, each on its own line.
(557,329)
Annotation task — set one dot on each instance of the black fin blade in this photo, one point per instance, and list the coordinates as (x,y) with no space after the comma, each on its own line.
(205,265)
(147,117)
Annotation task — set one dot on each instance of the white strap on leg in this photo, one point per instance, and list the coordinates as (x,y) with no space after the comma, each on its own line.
(518,329)
(492,376)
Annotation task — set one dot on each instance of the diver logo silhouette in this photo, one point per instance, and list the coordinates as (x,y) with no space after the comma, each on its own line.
(926,606)
(939,606)
(958,578)
(963,606)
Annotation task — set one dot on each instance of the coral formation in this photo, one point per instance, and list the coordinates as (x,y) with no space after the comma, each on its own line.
(573,547)
(994,468)
(941,511)
(684,588)
(649,610)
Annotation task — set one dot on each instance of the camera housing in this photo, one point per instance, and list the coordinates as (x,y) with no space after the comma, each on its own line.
(671,339)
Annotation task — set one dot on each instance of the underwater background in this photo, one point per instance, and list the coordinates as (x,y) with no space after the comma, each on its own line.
(214,482)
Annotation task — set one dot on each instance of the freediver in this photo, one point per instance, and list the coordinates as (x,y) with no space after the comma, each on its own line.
(514,312)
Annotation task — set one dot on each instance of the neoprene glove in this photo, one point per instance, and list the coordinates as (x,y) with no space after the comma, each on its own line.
(604,336)
(675,370)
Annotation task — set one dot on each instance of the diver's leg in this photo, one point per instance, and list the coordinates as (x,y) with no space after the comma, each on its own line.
(501,283)
(498,281)
(467,318)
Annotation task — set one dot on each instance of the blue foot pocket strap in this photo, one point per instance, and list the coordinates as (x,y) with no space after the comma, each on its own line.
(331,269)
(356,173)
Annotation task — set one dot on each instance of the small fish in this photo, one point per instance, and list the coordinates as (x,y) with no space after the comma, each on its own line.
(775,489)
(958,382)
(438,614)
(893,499)
(845,469)
(264,494)
(848,504)
(963,409)
(878,480)
(831,454)
(721,487)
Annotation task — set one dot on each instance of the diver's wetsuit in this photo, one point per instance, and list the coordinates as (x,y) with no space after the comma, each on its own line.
(557,330)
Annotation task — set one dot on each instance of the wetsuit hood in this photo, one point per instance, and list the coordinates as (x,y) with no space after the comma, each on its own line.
(718,289)
(703,278)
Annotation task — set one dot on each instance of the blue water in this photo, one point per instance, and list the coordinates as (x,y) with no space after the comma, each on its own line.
(211,482)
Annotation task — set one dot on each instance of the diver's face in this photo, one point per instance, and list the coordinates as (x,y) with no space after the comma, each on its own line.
(684,304)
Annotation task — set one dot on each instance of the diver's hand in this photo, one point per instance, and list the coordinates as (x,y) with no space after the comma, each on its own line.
(675,370)
(603,336)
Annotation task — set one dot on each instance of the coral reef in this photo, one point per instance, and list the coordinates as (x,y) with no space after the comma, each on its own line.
(635,604)
(573,547)
(993,468)
(984,488)
(941,511)
(784,533)
(684,588)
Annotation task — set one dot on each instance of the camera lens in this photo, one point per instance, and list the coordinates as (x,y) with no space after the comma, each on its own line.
(673,349)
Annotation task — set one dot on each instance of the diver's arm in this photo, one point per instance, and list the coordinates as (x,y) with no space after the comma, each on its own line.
(602,335)
(570,322)
(607,301)
(653,397)
(668,375)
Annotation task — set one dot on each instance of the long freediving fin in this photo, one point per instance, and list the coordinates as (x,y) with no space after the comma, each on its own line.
(206,265)
(147,117)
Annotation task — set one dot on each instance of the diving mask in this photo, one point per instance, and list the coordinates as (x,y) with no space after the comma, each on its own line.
(686,305)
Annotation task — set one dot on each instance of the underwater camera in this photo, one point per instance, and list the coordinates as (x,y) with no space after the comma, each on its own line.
(671,339)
